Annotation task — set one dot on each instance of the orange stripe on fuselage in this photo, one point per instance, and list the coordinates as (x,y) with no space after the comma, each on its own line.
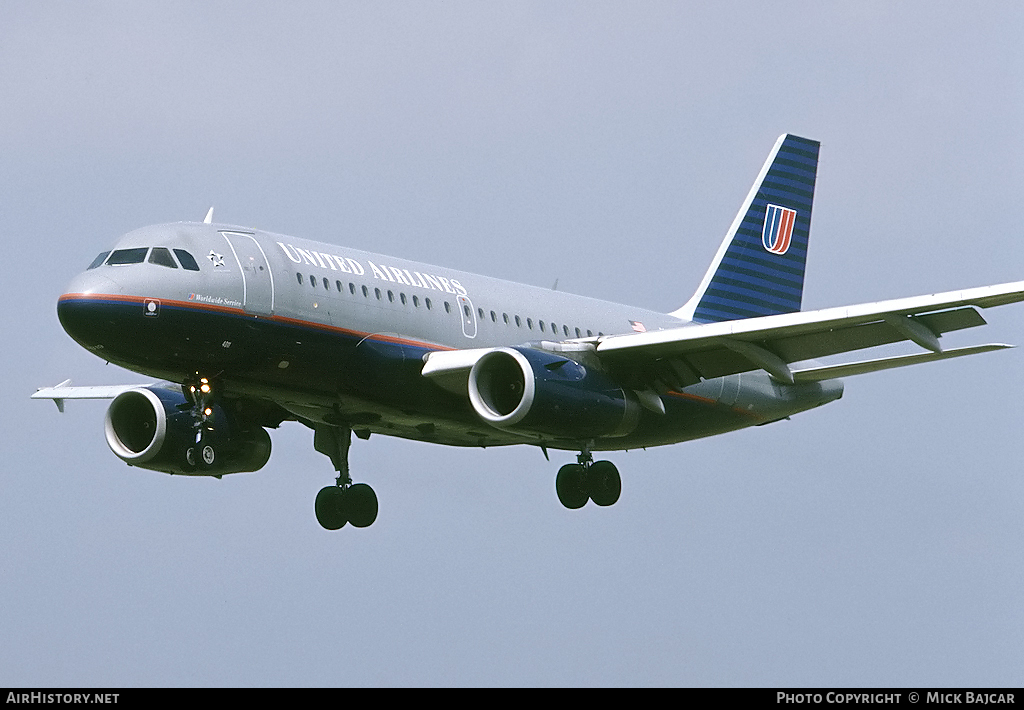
(713,402)
(195,305)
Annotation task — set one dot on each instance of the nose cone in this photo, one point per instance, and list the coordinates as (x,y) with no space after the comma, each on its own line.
(84,309)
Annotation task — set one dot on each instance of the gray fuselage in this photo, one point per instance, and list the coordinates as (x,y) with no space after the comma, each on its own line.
(333,334)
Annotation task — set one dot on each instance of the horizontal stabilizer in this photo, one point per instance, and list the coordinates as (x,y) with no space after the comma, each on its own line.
(815,374)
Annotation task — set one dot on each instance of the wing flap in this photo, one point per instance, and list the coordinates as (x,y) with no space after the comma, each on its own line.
(815,374)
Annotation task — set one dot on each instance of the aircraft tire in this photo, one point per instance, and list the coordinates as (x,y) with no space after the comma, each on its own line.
(604,483)
(361,504)
(331,507)
(569,485)
(208,456)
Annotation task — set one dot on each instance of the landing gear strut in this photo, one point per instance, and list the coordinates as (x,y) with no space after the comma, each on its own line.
(587,479)
(202,453)
(344,502)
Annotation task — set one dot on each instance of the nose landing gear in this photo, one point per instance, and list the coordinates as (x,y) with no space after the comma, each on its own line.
(599,481)
(202,454)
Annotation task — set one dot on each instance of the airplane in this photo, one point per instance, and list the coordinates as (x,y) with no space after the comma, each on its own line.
(246,329)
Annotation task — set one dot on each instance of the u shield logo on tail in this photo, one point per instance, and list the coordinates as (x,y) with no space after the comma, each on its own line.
(777,232)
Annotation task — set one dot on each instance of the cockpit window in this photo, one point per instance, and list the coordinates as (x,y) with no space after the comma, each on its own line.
(187,262)
(162,257)
(127,256)
(98,260)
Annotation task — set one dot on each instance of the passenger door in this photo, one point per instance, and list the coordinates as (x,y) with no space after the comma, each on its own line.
(468,316)
(257,279)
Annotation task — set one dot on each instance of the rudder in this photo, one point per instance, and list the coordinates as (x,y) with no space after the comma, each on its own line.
(759,268)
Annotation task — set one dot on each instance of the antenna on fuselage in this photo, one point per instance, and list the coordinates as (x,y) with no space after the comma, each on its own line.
(209,217)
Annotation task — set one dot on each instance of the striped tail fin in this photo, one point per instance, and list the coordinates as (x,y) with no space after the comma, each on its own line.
(759,269)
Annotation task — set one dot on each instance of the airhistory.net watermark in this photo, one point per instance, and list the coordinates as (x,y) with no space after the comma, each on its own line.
(41,698)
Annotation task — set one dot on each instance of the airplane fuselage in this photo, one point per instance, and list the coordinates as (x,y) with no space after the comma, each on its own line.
(337,335)
(251,329)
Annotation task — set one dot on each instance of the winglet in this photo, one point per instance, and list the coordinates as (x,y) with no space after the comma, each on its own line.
(759,268)
(209,217)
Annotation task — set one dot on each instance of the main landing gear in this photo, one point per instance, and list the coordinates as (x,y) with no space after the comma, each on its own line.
(344,502)
(587,479)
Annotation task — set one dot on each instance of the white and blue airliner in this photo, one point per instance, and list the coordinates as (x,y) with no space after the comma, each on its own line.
(243,330)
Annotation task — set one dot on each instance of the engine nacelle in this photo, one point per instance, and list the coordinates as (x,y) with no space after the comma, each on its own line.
(522,389)
(152,428)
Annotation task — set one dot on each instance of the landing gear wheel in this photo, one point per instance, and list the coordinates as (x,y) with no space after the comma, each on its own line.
(203,455)
(344,502)
(331,506)
(361,505)
(208,454)
(603,483)
(570,486)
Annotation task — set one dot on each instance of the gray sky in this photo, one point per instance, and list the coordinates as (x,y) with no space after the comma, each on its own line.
(876,541)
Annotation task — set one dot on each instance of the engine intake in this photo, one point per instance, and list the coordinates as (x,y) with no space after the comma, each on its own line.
(522,389)
(152,428)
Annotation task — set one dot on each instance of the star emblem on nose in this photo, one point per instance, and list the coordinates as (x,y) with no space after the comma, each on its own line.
(217,259)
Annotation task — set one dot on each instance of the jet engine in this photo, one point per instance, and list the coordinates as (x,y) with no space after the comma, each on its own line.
(154,428)
(522,389)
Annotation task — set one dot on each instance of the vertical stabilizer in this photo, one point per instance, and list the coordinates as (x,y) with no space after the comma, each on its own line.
(759,269)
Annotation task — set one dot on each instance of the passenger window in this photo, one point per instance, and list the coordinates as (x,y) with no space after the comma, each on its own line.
(465,309)
(299,277)
(312,280)
(187,262)
(338,285)
(376,292)
(121,257)
(161,256)
(541,324)
(529,323)
(578,333)
(519,322)
(352,288)
(494,318)
(402,296)
(98,260)
(447,307)
(565,329)
(505,316)
(391,296)
(590,333)
(366,292)
(426,302)
(479,311)
(327,284)
(416,301)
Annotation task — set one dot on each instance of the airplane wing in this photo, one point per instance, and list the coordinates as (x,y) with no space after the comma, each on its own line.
(64,391)
(669,359)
